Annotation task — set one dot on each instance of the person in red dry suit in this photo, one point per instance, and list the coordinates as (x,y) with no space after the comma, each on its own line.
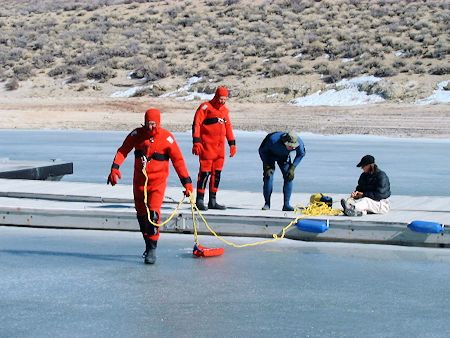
(210,128)
(153,147)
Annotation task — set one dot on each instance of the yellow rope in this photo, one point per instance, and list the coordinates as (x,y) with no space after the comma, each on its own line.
(275,236)
(144,171)
(194,221)
(195,225)
(320,208)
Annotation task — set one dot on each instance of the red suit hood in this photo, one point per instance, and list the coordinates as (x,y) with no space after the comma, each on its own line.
(154,115)
(220,91)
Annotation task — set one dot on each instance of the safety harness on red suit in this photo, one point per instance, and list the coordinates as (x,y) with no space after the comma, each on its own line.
(211,126)
(153,147)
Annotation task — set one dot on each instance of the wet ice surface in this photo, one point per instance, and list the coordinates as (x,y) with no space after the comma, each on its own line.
(414,166)
(93,283)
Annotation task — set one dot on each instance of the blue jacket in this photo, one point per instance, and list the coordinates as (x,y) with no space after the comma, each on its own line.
(272,150)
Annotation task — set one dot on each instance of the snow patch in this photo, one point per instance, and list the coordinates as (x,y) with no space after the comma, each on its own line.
(190,95)
(196,96)
(358,81)
(347,94)
(131,92)
(440,95)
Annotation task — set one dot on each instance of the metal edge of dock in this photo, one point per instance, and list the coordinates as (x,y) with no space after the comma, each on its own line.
(345,230)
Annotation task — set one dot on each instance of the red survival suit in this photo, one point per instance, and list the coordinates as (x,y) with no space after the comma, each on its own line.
(153,148)
(211,126)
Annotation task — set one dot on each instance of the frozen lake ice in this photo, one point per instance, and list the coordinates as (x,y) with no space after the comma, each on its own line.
(85,283)
(415,166)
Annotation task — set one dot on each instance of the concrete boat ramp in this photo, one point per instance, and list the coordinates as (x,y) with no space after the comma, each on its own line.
(97,206)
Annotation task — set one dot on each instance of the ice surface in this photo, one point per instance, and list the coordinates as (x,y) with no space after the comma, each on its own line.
(66,283)
(414,166)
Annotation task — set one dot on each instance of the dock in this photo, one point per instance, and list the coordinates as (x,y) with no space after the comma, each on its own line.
(99,206)
(52,170)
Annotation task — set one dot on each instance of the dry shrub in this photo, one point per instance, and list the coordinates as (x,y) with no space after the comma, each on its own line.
(100,34)
(101,73)
(390,90)
(440,70)
(398,64)
(231,2)
(321,67)
(16,54)
(385,71)
(43,61)
(350,50)
(63,70)
(370,64)
(150,71)
(77,75)
(92,35)
(314,49)
(278,69)
(351,70)
(90,58)
(114,63)
(204,87)
(23,72)
(12,84)
(334,75)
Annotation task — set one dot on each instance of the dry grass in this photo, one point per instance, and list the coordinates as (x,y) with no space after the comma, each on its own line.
(226,41)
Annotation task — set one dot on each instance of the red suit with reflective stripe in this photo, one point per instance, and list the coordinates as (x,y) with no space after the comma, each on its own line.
(211,126)
(153,149)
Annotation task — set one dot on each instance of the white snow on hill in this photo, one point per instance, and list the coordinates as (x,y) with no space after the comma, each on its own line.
(347,94)
(188,95)
(440,95)
(131,92)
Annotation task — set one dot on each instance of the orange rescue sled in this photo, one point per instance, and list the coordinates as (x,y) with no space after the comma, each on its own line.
(201,251)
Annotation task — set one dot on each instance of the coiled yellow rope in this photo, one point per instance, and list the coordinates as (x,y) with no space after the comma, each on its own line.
(320,208)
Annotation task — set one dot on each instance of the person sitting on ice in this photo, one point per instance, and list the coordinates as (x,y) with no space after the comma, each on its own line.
(372,193)
(277,147)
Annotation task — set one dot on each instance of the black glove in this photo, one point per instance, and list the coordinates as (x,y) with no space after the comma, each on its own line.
(290,173)
(268,170)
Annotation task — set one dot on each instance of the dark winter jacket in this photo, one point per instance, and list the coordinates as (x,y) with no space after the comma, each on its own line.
(374,185)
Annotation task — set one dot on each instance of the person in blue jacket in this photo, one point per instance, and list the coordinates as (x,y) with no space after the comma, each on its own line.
(279,147)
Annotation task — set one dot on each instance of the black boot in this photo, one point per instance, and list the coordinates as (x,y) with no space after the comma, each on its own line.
(200,202)
(349,209)
(212,204)
(150,251)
